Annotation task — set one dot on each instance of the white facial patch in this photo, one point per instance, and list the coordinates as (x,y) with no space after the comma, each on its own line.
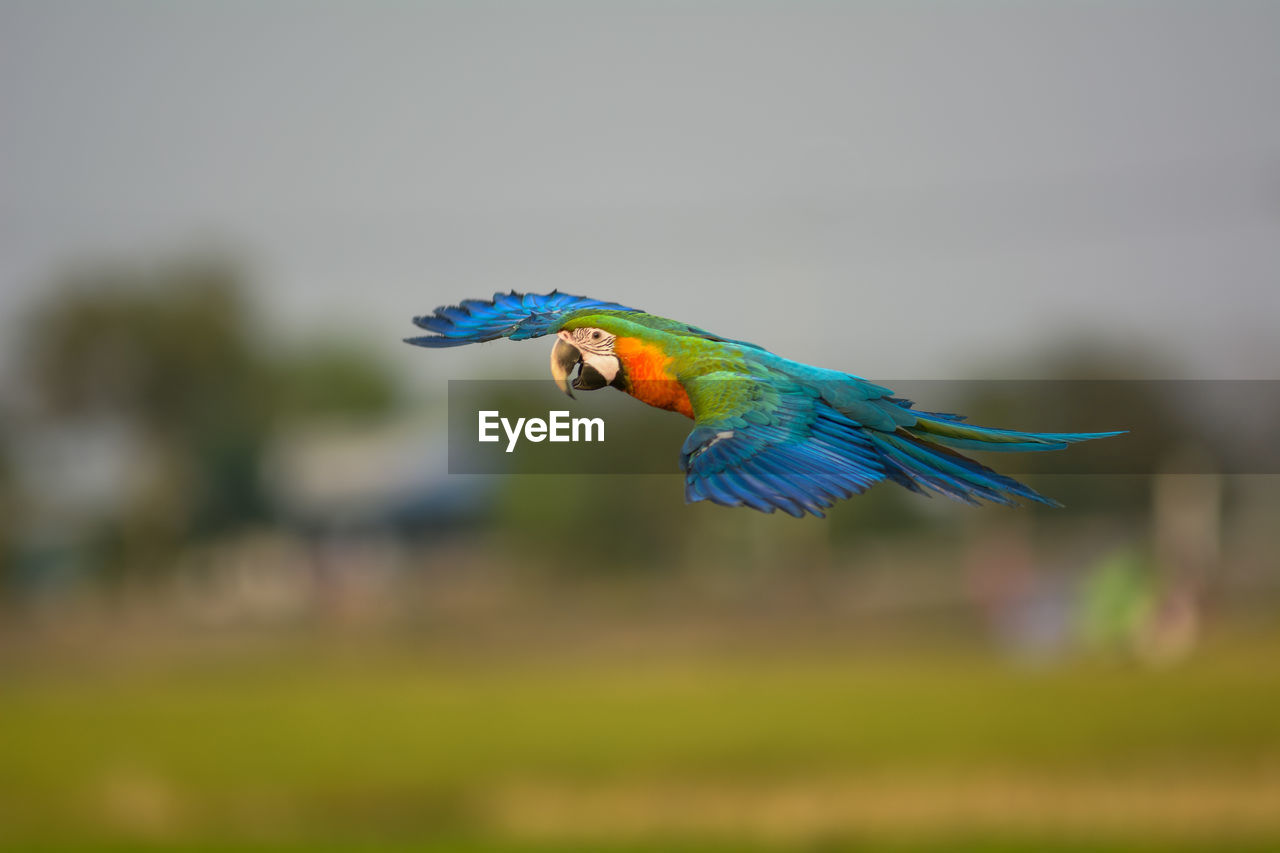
(606,365)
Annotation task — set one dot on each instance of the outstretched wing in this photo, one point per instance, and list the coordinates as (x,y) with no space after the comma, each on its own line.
(771,443)
(518,316)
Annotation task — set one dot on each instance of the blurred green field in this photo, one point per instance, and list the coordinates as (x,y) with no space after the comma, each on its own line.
(356,745)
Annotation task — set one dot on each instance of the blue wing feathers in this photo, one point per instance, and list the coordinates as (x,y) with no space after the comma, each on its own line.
(806,455)
(518,316)
(804,458)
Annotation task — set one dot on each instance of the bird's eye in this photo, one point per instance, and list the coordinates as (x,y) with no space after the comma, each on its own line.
(595,336)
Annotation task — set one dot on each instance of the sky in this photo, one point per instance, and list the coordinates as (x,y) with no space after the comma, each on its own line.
(910,190)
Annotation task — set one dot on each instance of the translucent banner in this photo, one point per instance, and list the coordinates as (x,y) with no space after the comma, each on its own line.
(1174,426)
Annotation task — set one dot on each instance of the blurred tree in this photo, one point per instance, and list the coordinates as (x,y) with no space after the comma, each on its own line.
(8,512)
(884,510)
(168,349)
(176,354)
(170,353)
(1080,391)
(333,379)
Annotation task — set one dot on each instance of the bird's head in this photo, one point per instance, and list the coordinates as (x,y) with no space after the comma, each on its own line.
(590,349)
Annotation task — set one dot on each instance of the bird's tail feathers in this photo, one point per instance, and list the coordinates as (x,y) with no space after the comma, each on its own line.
(949,431)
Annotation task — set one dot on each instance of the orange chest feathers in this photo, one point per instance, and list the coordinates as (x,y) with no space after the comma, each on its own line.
(649,379)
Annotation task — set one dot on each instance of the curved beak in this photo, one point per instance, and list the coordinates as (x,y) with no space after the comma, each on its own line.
(564,358)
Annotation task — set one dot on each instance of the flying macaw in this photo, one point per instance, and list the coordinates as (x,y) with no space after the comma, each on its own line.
(768,432)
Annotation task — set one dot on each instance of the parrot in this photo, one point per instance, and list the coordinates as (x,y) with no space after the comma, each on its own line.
(768,433)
